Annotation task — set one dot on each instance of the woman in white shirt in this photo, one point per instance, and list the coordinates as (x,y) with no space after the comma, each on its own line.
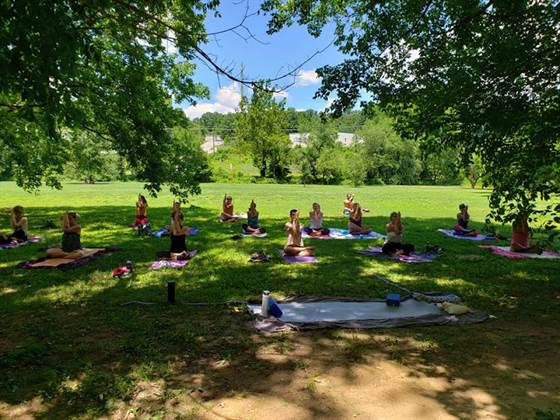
(393,244)
(316,222)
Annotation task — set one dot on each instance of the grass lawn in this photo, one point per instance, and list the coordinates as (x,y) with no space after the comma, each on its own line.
(68,347)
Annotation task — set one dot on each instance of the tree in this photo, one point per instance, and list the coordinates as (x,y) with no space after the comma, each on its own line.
(474,171)
(100,67)
(480,77)
(322,136)
(261,128)
(90,159)
(387,158)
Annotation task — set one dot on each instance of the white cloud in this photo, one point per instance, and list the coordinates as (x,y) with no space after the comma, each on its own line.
(281,94)
(307,78)
(169,43)
(226,101)
(229,95)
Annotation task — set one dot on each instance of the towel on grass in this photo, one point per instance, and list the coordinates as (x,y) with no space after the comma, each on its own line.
(298,258)
(505,251)
(165,232)
(30,240)
(305,313)
(335,233)
(415,257)
(89,254)
(451,234)
(164,263)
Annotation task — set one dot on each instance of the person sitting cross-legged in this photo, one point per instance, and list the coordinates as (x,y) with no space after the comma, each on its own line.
(294,245)
(71,238)
(393,243)
(355,222)
(252,226)
(316,222)
(178,236)
(463,219)
(227,210)
(19,225)
(520,236)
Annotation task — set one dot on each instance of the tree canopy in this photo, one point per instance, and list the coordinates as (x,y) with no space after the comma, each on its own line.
(102,67)
(480,76)
(261,128)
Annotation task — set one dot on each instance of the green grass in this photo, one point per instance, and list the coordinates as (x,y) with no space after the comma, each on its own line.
(65,338)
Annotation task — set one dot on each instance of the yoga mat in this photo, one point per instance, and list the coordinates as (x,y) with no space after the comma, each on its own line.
(254,235)
(165,232)
(314,313)
(415,257)
(336,233)
(451,234)
(89,254)
(30,240)
(504,251)
(159,264)
(298,259)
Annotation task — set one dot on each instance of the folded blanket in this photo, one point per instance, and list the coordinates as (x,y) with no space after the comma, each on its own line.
(30,240)
(89,254)
(505,251)
(165,232)
(298,259)
(415,257)
(163,263)
(451,234)
(336,233)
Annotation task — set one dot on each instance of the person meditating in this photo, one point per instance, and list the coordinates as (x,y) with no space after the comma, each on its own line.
(141,211)
(316,222)
(520,236)
(178,235)
(355,222)
(19,224)
(294,246)
(227,210)
(71,234)
(348,204)
(393,243)
(252,226)
(463,219)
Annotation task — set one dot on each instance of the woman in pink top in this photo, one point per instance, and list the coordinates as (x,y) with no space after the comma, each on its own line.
(520,236)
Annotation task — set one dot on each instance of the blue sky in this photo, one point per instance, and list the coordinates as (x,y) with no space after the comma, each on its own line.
(273,55)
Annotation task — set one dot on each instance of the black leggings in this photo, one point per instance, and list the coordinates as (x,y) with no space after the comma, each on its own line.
(245,228)
(392,247)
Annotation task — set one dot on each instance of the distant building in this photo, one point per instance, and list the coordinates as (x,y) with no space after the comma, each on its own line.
(347,139)
(212,143)
(298,139)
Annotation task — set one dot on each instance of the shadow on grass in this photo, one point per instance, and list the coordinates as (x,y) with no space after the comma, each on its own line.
(67,341)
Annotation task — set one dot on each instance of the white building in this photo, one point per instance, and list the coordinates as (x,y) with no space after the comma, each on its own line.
(212,143)
(300,139)
(347,139)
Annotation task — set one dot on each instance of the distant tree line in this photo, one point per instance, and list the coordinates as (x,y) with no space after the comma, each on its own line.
(259,134)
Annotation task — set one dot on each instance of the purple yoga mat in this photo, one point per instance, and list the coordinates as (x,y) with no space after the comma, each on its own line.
(298,259)
(30,240)
(415,257)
